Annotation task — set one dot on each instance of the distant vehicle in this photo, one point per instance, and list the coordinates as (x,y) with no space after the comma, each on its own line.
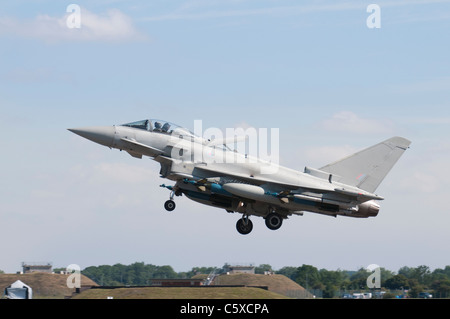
(357,295)
(379,294)
(425,295)
(362,295)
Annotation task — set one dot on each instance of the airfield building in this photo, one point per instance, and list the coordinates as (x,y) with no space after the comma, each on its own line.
(239,269)
(29,267)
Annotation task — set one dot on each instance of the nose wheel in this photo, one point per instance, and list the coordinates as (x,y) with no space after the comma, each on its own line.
(169,205)
(244,225)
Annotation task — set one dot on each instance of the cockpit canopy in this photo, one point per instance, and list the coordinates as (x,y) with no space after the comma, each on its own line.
(160,126)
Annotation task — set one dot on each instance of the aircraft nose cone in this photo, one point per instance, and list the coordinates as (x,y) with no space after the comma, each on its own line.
(103,135)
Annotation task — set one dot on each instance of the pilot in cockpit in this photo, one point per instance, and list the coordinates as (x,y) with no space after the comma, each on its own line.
(166,127)
(157,127)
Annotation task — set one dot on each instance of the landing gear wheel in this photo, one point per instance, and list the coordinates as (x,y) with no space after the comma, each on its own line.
(274,221)
(169,205)
(244,226)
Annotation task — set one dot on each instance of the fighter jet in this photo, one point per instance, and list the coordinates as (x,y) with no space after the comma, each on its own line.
(209,172)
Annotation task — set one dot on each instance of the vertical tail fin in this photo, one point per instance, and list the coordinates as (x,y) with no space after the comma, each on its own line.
(367,168)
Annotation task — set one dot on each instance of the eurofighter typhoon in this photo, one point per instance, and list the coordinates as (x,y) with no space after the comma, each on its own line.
(209,172)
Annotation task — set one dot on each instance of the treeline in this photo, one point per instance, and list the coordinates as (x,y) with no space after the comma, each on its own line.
(331,283)
(137,274)
(140,274)
(408,280)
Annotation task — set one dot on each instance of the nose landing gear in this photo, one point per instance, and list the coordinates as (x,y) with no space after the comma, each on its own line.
(170,204)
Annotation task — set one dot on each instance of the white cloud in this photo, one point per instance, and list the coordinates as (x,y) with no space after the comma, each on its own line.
(349,122)
(112,26)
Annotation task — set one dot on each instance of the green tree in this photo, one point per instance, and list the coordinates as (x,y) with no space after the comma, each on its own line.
(308,277)
(405,271)
(421,273)
(358,280)
(165,272)
(397,282)
(441,288)
(415,290)
(288,272)
(445,271)
(333,281)
(385,275)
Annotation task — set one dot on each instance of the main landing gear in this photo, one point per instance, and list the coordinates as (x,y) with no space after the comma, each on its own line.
(273,221)
(244,225)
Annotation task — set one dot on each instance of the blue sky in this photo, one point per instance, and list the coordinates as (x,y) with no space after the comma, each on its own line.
(313,69)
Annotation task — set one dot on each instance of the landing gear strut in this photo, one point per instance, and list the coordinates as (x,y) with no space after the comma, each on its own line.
(244,225)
